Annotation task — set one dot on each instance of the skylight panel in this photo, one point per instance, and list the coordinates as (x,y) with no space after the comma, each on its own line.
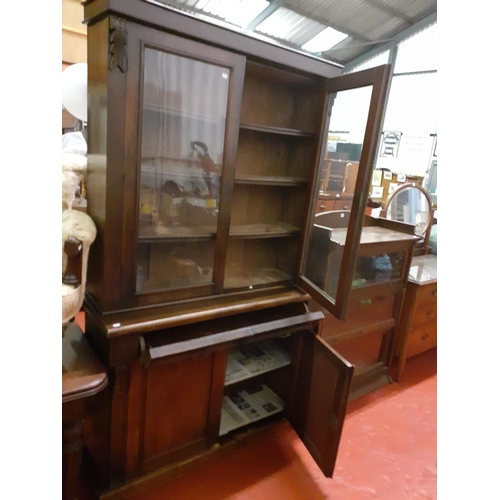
(237,12)
(284,23)
(325,40)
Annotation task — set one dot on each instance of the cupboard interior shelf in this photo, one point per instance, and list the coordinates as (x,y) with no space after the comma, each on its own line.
(263,230)
(265,180)
(248,406)
(180,113)
(276,130)
(256,277)
(151,170)
(256,359)
(163,234)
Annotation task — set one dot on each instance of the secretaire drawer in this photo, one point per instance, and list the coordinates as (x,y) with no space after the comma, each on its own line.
(422,338)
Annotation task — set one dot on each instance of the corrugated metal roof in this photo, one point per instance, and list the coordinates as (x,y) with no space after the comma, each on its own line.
(369,23)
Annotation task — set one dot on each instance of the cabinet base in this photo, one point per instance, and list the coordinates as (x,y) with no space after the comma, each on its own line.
(141,485)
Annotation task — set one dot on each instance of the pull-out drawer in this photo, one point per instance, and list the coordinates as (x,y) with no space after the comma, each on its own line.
(364,311)
(422,338)
(426,294)
(325,206)
(424,313)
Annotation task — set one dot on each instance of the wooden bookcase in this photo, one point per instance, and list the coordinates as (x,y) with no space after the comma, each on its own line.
(205,158)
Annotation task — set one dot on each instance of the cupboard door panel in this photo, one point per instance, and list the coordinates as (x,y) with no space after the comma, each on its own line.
(182,112)
(318,398)
(176,404)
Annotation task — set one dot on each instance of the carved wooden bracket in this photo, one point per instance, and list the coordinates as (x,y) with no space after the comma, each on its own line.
(117,44)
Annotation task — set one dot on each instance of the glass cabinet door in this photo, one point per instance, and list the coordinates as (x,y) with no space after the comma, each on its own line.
(184,150)
(351,129)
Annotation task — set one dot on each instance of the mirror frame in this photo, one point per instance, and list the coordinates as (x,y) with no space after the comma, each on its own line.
(408,185)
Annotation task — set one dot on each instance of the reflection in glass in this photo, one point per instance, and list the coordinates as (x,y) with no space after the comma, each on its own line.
(337,180)
(371,269)
(184,108)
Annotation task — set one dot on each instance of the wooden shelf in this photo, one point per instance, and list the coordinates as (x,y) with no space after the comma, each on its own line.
(257,277)
(162,234)
(243,408)
(261,180)
(276,230)
(251,361)
(158,108)
(276,130)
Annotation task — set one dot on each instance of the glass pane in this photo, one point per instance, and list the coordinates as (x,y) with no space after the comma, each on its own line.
(337,180)
(183,124)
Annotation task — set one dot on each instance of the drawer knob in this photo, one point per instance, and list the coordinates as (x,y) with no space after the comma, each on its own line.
(434,292)
(430,313)
(424,336)
(322,207)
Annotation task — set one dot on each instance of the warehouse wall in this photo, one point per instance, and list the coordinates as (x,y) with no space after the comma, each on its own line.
(74,33)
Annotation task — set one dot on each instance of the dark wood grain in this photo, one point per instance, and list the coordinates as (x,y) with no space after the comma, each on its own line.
(166,349)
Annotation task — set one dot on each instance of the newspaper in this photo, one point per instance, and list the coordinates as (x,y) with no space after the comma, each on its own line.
(252,360)
(247,406)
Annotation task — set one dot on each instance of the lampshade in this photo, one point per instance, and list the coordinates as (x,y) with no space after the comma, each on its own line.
(74,90)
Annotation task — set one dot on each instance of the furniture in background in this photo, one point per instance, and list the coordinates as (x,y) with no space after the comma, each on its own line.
(338,179)
(417,331)
(203,179)
(366,337)
(411,204)
(83,376)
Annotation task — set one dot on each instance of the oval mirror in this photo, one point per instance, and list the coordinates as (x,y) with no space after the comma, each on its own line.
(411,204)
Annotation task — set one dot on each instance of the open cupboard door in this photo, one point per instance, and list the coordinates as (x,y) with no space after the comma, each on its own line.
(318,398)
(350,136)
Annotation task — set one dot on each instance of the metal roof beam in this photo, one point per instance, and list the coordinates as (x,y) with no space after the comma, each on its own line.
(273,6)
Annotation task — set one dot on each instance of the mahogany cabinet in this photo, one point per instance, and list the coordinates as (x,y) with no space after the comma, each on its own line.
(205,150)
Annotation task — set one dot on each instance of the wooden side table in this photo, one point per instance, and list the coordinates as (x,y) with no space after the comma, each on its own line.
(417,330)
(83,375)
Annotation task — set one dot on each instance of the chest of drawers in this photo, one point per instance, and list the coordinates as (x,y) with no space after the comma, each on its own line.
(417,330)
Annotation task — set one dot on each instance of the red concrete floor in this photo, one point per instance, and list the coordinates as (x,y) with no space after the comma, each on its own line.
(387,451)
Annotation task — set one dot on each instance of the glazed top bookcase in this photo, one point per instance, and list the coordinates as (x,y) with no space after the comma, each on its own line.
(204,161)
(205,153)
